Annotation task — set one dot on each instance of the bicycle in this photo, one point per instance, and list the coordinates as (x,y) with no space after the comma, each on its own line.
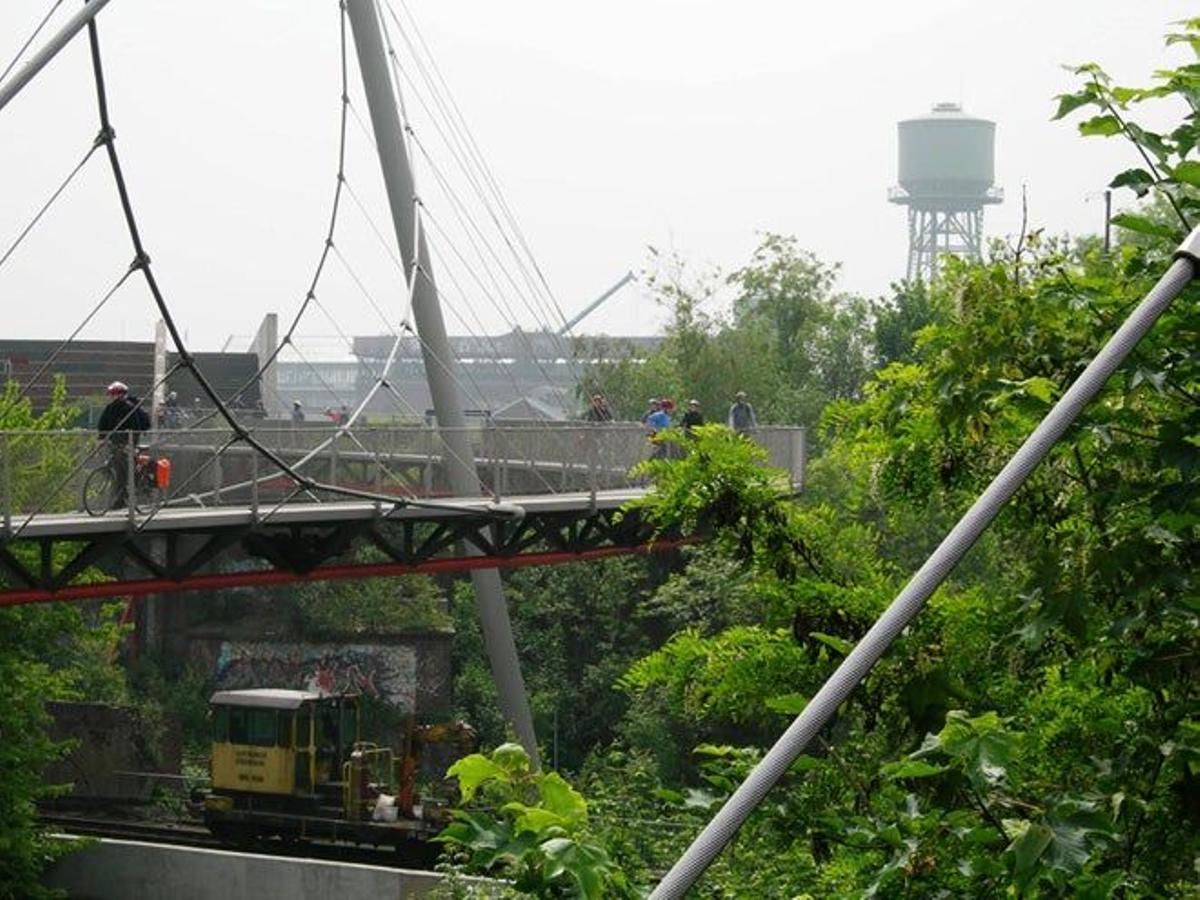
(151,477)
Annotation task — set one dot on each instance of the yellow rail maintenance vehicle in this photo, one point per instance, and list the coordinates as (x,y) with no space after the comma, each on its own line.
(291,764)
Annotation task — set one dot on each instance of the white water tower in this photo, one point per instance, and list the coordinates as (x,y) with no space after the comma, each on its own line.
(947,174)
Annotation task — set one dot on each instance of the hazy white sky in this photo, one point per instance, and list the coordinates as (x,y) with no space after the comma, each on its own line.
(681,124)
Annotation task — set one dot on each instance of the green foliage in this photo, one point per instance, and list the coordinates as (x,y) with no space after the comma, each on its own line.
(1166,169)
(529,827)
(370,606)
(167,692)
(1034,732)
(734,677)
(722,485)
(578,628)
(791,342)
(46,652)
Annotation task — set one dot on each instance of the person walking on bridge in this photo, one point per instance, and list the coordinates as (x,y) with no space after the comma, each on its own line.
(599,410)
(741,414)
(120,424)
(692,417)
(657,419)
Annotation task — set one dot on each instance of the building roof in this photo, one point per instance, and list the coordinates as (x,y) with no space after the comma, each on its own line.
(263,698)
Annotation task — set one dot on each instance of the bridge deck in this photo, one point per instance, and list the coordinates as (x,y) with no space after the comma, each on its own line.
(69,525)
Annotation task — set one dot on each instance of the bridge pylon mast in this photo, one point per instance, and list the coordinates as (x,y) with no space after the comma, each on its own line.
(435,349)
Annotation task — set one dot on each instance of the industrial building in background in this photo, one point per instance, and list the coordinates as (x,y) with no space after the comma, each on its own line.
(947,174)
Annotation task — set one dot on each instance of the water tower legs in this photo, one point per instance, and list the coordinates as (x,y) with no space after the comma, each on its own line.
(933,233)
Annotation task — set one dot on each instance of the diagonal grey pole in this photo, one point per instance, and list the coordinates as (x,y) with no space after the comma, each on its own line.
(908,603)
(25,74)
(439,362)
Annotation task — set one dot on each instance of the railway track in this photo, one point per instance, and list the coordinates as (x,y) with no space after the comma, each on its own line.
(184,834)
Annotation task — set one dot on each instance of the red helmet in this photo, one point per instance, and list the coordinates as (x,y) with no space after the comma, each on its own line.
(117,388)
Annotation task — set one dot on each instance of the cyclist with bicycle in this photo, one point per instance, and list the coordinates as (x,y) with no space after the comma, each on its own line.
(123,415)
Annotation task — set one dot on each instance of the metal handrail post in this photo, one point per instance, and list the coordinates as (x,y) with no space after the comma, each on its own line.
(494,434)
(131,479)
(6,498)
(254,487)
(854,668)
(378,481)
(218,476)
(590,436)
(333,458)
(427,469)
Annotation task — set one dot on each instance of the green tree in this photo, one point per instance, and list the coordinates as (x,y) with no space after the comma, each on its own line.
(54,651)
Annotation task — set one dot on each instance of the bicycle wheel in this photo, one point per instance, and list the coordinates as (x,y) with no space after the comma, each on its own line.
(147,498)
(98,491)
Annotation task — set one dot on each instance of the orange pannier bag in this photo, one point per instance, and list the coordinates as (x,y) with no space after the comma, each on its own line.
(162,473)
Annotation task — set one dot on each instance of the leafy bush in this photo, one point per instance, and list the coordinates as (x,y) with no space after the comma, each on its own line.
(530,828)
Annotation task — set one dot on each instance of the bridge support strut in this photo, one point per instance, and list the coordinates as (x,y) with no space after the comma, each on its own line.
(439,362)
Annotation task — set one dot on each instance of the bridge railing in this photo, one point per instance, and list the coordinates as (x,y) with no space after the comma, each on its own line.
(45,472)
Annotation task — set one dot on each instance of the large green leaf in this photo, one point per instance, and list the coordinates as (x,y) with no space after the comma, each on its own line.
(1187,172)
(1064,841)
(534,819)
(1078,828)
(586,865)
(1102,126)
(911,768)
(512,758)
(473,772)
(1142,225)
(983,746)
(839,645)
(1027,850)
(789,704)
(1138,180)
(1068,103)
(563,800)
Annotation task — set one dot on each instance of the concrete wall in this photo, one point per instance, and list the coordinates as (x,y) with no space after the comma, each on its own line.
(118,870)
(409,672)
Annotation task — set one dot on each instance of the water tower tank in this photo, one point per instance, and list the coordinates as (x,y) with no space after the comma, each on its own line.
(947,154)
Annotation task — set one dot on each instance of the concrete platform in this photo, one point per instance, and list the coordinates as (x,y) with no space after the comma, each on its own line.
(119,870)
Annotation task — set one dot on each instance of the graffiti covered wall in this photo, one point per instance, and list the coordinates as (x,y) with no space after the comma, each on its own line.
(387,672)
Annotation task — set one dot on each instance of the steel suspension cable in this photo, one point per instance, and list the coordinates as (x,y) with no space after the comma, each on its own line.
(24,392)
(480,398)
(96,144)
(33,37)
(409,137)
(455,149)
(538,317)
(335,208)
(186,360)
(463,216)
(481,160)
(450,304)
(522,336)
(482,334)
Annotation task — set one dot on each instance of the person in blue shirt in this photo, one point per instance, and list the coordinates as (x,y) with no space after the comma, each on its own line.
(657,420)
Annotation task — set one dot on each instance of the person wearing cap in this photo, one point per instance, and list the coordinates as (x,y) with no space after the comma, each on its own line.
(123,417)
(692,417)
(598,410)
(171,413)
(297,413)
(741,414)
